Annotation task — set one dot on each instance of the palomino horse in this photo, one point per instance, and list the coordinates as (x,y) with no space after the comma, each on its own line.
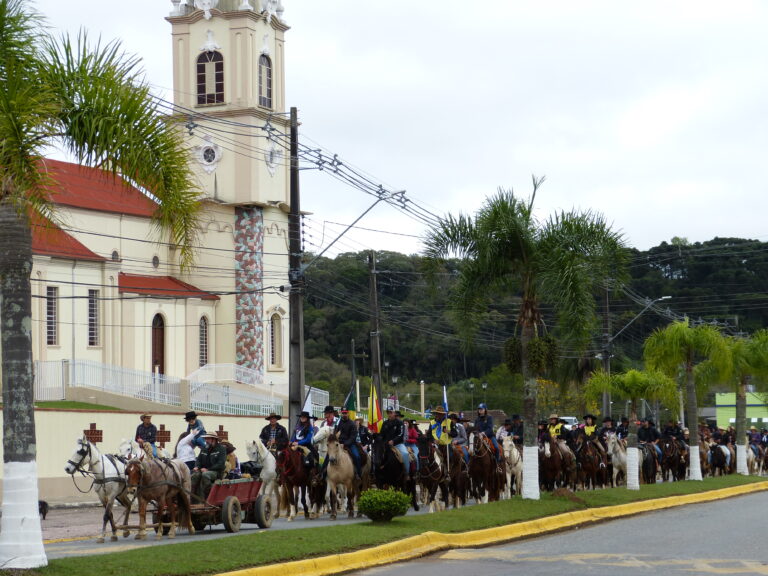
(340,475)
(264,461)
(168,483)
(108,480)
(618,453)
(388,470)
(130,449)
(514,458)
(432,473)
(294,478)
(483,470)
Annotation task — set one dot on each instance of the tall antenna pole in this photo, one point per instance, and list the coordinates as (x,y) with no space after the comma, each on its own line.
(375,354)
(296,277)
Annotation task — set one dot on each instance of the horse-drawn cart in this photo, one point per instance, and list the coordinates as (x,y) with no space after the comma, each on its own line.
(231,502)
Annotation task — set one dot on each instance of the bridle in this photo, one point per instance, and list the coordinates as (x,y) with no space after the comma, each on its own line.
(84,452)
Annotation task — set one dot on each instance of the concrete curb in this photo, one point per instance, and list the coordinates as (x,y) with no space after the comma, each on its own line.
(431,542)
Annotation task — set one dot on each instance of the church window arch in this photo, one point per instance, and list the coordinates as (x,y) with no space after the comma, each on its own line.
(210,78)
(265,81)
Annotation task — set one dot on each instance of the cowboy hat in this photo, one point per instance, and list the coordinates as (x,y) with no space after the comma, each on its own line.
(150,416)
(271,415)
(553,415)
(305,414)
(211,435)
(329,409)
(452,415)
(515,416)
(190,415)
(592,416)
(435,410)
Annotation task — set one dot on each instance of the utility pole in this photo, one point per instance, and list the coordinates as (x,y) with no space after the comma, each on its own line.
(353,356)
(375,356)
(296,278)
(607,351)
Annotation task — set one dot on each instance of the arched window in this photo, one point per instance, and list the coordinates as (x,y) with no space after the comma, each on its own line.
(276,341)
(203,341)
(265,81)
(210,78)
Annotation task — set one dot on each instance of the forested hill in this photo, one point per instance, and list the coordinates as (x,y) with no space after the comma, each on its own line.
(720,281)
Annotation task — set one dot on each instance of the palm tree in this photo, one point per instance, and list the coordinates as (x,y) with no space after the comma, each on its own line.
(702,354)
(750,363)
(93,102)
(633,385)
(560,262)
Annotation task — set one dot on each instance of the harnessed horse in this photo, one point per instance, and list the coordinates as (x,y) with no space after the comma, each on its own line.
(340,474)
(168,483)
(483,470)
(432,473)
(514,459)
(264,461)
(108,480)
(130,449)
(295,481)
(388,470)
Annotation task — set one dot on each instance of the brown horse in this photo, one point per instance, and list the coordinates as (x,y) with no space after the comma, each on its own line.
(484,472)
(432,472)
(168,483)
(590,466)
(550,465)
(672,456)
(294,481)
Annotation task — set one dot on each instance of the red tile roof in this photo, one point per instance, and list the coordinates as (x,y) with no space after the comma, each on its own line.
(94,189)
(50,240)
(167,286)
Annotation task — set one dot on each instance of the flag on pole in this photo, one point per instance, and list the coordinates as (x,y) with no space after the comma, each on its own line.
(308,402)
(445,398)
(350,402)
(374,411)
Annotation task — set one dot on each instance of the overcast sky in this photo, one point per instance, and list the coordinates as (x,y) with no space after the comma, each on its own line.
(652,112)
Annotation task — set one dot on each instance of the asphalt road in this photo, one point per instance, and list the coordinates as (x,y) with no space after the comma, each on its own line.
(724,537)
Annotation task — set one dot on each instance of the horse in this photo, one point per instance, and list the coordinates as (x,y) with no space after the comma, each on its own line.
(514,460)
(432,473)
(264,461)
(167,482)
(718,466)
(340,474)
(671,458)
(618,453)
(647,463)
(388,470)
(109,483)
(706,469)
(550,464)
(295,481)
(130,449)
(483,469)
(590,466)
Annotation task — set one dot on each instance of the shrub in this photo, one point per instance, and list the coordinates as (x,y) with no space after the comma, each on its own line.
(383,505)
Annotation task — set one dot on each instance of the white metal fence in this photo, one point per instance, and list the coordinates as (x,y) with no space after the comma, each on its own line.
(221,399)
(227,373)
(51,380)
(139,384)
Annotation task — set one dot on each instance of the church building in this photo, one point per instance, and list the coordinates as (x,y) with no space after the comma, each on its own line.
(109,295)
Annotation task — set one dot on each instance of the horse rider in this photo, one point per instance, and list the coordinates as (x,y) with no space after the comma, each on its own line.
(460,439)
(411,437)
(194,423)
(484,424)
(673,430)
(542,432)
(392,432)
(622,430)
(146,435)
(517,430)
(590,431)
(363,433)
(209,466)
(555,427)
(274,435)
(302,438)
(607,428)
(504,430)
(648,434)
(346,431)
(754,440)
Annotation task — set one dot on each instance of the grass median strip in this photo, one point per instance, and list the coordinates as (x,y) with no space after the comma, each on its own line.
(276,546)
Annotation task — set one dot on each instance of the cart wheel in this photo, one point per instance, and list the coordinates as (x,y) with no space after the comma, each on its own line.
(262,510)
(230,514)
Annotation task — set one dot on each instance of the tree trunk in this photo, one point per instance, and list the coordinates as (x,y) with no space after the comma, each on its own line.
(531,490)
(741,432)
(692,415)
(633,457)
(21,538)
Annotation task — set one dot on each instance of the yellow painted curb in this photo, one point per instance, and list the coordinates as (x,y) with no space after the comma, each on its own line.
(431,542)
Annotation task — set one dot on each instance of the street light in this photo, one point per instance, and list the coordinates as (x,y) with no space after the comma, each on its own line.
(606,355)
(485,396)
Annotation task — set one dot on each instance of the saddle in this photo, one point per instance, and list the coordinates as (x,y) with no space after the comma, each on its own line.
(411,458)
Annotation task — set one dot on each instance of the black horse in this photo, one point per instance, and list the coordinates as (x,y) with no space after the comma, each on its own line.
(648,463)
(719,462)
(388,470)
(431,475)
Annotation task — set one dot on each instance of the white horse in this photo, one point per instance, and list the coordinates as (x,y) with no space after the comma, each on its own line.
(130,449)
(109,481)
(258,453)
(618,453)
(514,460)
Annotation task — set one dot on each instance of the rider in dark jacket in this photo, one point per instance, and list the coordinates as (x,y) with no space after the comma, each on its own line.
(393,433)
(484,424)
(346,431)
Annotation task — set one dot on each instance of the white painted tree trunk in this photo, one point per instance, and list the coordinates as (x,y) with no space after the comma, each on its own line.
(531,473)
(633,469)
(741,459)
(21,535)
(694,466)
